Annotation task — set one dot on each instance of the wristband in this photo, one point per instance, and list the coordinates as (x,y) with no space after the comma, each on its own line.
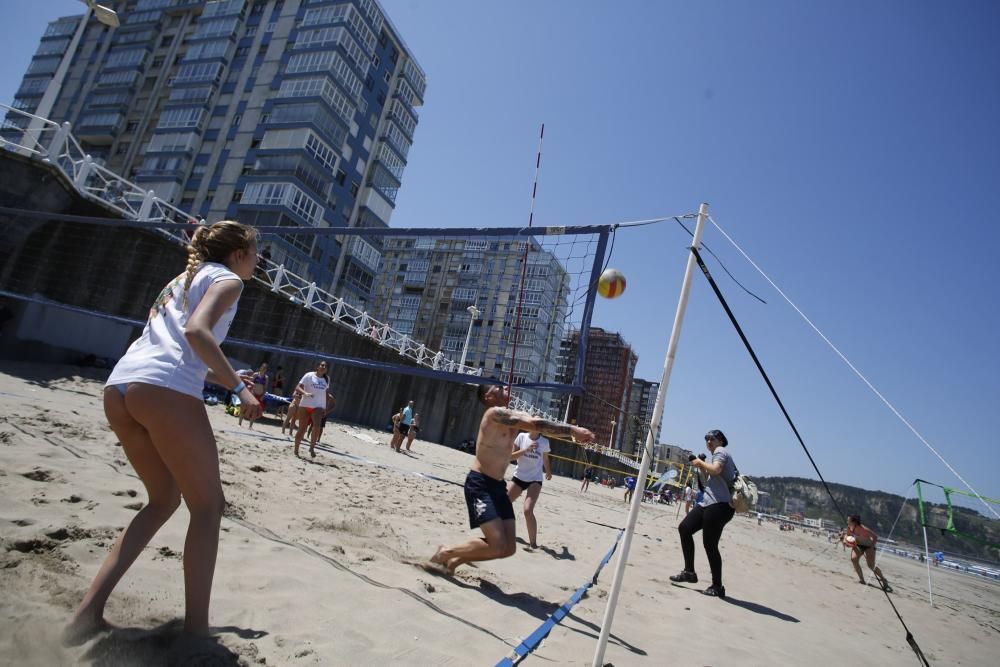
(240,387)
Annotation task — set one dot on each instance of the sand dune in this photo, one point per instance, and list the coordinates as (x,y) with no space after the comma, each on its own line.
(316,563)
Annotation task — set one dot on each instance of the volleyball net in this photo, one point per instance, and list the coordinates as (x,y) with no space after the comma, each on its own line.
(951,521)
(471,305)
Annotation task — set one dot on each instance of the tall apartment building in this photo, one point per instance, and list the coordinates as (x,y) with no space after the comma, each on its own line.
(642,400)
(427,285)
(273,112)
(609,367)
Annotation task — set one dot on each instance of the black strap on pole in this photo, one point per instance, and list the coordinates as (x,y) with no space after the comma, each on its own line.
(753,355)
(739,330)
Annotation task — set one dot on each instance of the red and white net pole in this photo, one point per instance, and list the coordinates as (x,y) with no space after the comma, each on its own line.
(524,267)
(661,395)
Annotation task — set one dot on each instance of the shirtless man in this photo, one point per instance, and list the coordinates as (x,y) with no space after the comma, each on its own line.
(490,508)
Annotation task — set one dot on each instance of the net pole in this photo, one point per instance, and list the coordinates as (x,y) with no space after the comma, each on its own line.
(633,513)
(524,266)
(927,561)
(923,524)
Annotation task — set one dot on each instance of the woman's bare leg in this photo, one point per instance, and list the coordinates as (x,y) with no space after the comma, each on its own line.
(164,498)
(529,514)
(304,420)
(855,558)
(317,420)
(182,435)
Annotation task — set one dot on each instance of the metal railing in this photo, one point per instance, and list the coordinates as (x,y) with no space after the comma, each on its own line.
(54,143)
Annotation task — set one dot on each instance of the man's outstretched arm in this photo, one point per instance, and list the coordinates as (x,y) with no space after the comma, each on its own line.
(527,422)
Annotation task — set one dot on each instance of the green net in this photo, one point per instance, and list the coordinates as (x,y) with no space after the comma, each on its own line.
(943,517)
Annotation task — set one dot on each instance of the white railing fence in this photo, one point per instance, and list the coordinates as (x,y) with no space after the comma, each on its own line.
(55,144)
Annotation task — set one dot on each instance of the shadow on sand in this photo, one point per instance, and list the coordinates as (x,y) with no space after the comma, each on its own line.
(166,646)
(759,609)
(558,555)
(539,608)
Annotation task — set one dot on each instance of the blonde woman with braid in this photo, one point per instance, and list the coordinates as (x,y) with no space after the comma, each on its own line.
(153,403)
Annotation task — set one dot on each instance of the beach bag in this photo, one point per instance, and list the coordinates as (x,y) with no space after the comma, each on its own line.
(743,493)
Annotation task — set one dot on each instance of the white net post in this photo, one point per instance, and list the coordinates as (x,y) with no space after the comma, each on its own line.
(633,513)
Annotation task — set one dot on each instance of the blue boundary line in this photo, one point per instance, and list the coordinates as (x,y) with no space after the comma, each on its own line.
(532,641)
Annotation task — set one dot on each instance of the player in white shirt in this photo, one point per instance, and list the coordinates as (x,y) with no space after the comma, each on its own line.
(531,451)
(153,402)
(314,386)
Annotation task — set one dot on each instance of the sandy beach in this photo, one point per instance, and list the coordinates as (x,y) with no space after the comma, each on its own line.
(317,563)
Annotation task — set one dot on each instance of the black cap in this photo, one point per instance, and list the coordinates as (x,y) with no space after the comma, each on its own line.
(718,435)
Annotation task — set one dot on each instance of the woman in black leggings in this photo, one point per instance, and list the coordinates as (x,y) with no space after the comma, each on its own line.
(711,516)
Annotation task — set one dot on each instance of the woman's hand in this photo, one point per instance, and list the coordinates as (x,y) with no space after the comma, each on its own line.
(250,407)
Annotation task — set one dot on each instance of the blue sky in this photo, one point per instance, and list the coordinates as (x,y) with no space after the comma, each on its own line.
(851,148)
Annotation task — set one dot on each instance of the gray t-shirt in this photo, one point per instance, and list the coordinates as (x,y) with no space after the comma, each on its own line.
(717,488)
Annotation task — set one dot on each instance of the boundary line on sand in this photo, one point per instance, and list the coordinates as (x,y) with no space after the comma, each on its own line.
(531,642)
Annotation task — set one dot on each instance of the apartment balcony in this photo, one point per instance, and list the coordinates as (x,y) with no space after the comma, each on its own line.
(99,129)
(405,97)
(141,175)
(299,165)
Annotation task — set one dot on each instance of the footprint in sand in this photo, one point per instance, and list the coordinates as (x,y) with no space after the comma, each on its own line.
(167,552)
(23,522)
(134,506)
(35,545)
(129,492)
(40,475)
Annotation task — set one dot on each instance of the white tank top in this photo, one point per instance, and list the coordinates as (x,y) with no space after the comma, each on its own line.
(161,356)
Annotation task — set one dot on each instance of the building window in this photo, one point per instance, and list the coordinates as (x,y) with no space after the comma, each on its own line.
(132,126)
(237,118)
(341,176)
(123,147)
(369,82)
(387,76)
(355,186)
(376,61)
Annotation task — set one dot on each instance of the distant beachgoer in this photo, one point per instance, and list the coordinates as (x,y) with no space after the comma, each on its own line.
(397,434)
(406,418)
(588,474)
(531,451)
(862,541)
(291,414)
(312,406)
(153,402)
(411,433)
(331,403)
(629,488)
(711,515)
(486,496)
(279,382)
(261,379)
(688,498)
